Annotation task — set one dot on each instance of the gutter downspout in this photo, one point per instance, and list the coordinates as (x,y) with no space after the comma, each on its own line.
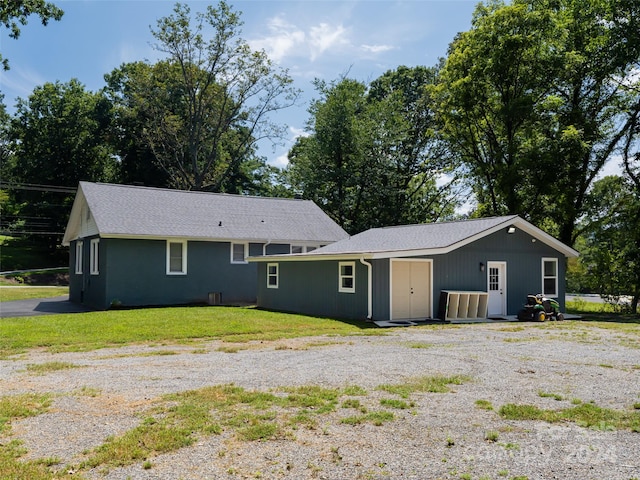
(264,248)
(369,288)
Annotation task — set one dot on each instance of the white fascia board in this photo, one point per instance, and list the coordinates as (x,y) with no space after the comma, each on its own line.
(515,221)
(448,248)
(305,257)
(545,238)
(209,239)
(73,224)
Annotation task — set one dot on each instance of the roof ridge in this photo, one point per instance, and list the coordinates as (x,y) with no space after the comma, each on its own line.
(176,190)
(462,220)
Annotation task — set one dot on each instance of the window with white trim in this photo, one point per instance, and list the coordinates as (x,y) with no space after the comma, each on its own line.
(272,275)
(550,277)
(78,269)
(176,257)
(347,277)
(239,252)
(94,264)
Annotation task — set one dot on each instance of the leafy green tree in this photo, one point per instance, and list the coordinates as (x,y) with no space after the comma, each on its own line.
(492,77)
(372,158)
(532,102)
(5,149)
(58,136)
(601,46)
(631,148)
(206,106)
(7,160)
(135,112)
(406,137)
(612,237)
(137,162)
(14,13)
(329,167)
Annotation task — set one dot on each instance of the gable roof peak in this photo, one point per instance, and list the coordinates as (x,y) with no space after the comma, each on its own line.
(504,218)
(132,211)
(431,238)
(190,192)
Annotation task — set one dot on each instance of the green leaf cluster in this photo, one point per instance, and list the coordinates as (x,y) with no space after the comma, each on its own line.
(535,100)
(373,157)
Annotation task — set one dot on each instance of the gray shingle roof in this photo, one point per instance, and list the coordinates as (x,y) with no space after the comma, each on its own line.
(429,236)
(423,239)
(121,210)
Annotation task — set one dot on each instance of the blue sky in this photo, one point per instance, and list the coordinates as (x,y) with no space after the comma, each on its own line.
(312,38)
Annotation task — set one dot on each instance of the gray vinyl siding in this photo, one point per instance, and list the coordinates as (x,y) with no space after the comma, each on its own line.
(133,273)
(84,287)
(75,280)
(381,306)
(460,269)
(137,274)
(311,288)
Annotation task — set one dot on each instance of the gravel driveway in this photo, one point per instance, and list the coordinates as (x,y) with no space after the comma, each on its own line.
(442,435)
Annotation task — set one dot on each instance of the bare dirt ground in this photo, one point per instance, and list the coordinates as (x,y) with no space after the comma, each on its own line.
(440,436)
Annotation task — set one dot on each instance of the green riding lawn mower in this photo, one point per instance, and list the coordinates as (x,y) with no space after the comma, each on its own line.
(540,308)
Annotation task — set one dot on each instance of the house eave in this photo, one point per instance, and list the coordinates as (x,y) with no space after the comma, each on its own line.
(72,230)
(514,221)
(545,238)
(123,236)
(305,257)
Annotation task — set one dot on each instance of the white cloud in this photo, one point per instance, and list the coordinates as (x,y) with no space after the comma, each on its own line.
(324,37)
(297,132)
(281,161)
(376,48)
(283,39)
(632,78)
(19,82)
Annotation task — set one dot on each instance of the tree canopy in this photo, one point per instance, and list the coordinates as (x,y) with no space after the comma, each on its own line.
(14,13)
(533,104)
(57,138)
(372,157)
(611,253)
(204,108)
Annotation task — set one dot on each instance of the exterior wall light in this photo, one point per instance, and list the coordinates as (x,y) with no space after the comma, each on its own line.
(481,267)
(511,229)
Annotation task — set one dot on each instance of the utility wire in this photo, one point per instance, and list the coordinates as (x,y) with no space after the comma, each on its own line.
(37,187)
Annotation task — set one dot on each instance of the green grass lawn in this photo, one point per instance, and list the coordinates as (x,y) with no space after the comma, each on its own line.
(8,294)
(93,330)
(600,312)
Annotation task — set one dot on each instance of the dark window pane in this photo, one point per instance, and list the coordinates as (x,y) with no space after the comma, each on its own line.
(550,269)
(550,286)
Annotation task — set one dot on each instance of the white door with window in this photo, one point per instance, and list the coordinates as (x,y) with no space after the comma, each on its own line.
(497,288)
(410,289)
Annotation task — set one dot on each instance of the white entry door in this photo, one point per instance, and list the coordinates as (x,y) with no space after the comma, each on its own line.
(497,287)
(410,289)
